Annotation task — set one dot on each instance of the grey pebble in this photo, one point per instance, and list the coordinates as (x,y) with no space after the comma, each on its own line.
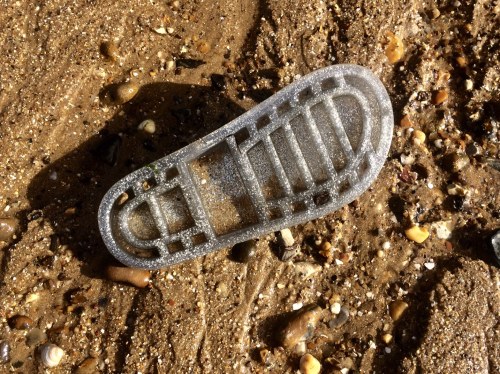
(35,337)
(243,252)
(4,352)
(341,318)
(288,253)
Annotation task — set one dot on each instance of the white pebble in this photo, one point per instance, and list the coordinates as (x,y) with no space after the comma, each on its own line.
(335,308)
(53,175)
(148,126)
(297,306)
(407,159)
(469,85)
(430,265)
(386,246)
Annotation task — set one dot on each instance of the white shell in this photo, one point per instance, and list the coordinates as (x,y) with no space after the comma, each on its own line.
(51,355)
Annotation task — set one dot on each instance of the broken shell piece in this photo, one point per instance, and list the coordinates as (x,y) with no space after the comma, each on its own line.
(51,355)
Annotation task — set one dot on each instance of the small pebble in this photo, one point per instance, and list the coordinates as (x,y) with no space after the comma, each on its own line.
(288,253)
(297,306)
(443,229)
(439,97)
(469,84)
(88,366)
(300,348)
(160,30)
(395,49)
(125,92)
(109,49)
(417,234)
(407,159)
(386,245)
(21,322)
(495,245)
(387,338)
(148,126)
(455,162)
(287,237)
(406,122)
(335,308)
(4,352)
(461,61)
(396,309)
(243,252)
(309,364)
(136,277)
(300,327)
(418,137)
(429,265)
(8,227)
(341,318)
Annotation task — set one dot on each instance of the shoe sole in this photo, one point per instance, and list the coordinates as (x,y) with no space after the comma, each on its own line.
(308,150)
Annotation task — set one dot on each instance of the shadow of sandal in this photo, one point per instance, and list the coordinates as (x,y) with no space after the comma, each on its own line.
(182,114)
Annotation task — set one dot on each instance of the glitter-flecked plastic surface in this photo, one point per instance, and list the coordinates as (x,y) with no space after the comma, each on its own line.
(306,151)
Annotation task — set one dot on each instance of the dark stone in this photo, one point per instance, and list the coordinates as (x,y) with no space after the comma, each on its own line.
(243,252)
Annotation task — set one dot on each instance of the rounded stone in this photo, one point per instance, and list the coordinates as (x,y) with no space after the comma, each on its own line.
(243,252)
(125,92)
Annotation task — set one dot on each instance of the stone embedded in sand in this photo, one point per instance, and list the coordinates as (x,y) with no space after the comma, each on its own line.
(417,234)
(136,277)
(418,137)
(243,252)
(300,327)
(309,364)
(396,309)
(125,92)
(109,49)
(439,97)
(8,227)
(21,322)
(395,49)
